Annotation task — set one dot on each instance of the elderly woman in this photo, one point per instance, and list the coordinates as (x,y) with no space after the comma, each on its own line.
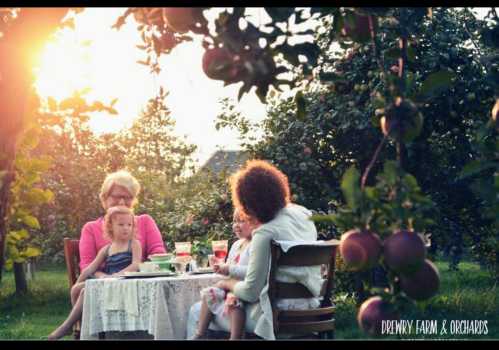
(119,188)
(261,191)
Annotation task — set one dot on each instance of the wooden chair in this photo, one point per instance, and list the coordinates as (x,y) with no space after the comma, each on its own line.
(313,323)
(72,257)
(303,323)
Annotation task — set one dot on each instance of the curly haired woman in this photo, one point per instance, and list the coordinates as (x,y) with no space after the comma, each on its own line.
(261,191)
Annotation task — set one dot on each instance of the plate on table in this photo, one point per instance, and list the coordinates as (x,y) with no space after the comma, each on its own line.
(138,274)
(202,270)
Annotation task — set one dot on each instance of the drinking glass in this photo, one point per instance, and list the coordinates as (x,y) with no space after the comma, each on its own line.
(220,249)
(183,249)
(180,266)
(183,255)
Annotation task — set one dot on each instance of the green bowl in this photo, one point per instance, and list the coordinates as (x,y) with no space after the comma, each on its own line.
(160,257)
(164,265)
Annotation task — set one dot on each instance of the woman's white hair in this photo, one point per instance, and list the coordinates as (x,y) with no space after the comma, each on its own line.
(120,178)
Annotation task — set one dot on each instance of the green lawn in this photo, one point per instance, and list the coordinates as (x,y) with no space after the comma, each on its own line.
(38,313)
(468,294)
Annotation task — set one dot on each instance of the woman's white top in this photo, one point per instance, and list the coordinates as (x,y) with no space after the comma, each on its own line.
(290,224)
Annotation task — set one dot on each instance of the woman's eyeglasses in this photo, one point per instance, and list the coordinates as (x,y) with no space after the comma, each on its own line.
(117,198)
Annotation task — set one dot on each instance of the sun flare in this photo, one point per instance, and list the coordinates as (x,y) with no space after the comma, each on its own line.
(96,57)
(63,68)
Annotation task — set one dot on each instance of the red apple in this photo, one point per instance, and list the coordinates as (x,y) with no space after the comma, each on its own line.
(422,284)
(360,250)
(179,19)
(168,41)
(404,251)
(402,120)
(220,64)
(371,314)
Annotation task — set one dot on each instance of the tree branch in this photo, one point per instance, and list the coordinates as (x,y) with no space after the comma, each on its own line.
(379,58)
(373,160)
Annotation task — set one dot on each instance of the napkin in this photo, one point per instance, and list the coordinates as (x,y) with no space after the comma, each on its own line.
(121,295)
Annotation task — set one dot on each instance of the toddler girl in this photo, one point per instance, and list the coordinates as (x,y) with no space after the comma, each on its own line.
(121,255)
(216,303)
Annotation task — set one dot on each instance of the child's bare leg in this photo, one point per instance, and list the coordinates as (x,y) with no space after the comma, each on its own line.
(73,317)
(205,317)
(75,291)
(237,320)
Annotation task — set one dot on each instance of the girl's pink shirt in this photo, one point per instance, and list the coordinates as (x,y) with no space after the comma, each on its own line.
(92,239)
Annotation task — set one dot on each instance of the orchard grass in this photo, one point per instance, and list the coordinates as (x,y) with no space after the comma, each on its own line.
(467,294)
(38,313)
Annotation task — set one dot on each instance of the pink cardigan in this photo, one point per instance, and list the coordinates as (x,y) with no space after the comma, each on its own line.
(92,240)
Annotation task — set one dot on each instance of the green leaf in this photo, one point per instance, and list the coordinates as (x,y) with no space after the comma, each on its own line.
(475,167)
(52,103)
(111,110)
(13,237)
(12,252)
(351,187)
(320,218)
(31,221)
(244,89)
(280,14)
(261,92)
(411,181)
(371,192)
(390,171)
(37,196)
(23,234)
(436,83)
(31,252)
(49,196)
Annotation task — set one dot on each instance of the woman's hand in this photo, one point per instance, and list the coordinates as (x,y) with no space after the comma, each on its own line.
(230,300)
(226,284)
(221,268)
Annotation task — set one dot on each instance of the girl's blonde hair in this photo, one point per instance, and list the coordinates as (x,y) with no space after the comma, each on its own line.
(120,178)
(108,220)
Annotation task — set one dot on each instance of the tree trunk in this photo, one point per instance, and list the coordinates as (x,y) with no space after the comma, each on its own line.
(4,206)
(20,278)
(20,40)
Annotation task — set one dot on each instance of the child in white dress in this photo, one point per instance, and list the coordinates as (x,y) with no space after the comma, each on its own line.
(218,304)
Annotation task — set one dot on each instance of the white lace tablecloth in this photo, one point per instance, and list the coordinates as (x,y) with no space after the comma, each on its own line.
(163,305)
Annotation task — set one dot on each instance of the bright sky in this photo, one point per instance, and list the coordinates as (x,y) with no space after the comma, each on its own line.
(108,65)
